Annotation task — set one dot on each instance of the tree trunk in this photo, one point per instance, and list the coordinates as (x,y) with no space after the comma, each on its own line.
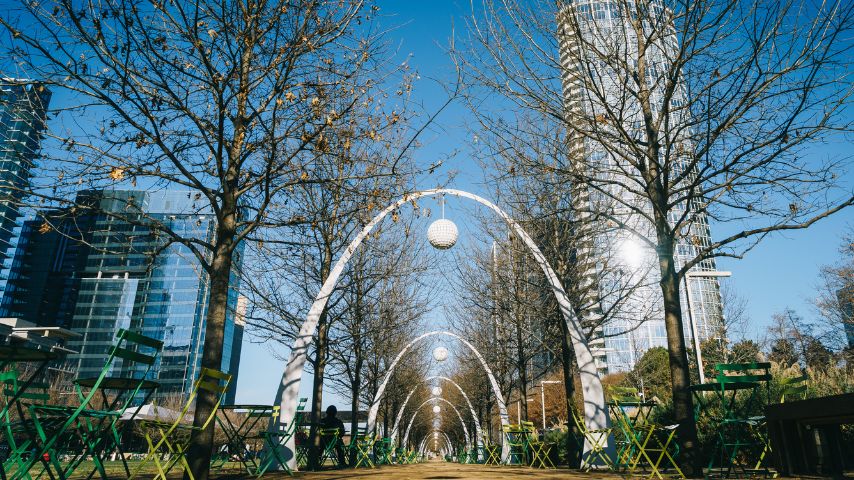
(201,445)
(317,391)
(683,405)
(523,371)
(568,359)
(354,404)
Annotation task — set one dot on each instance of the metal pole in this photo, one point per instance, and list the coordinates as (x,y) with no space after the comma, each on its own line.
(696,339)
(711,274)
(543,398)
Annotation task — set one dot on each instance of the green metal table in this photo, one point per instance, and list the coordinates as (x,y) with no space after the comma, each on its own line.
(241,425)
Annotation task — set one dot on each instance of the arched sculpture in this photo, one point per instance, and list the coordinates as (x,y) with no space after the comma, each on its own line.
(478,432)
(502,407)
(415,413)
(595,415)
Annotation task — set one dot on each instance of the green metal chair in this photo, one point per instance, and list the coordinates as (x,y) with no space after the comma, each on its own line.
(741,388)
(239,424)
(66,436)
(362,444)
(174,436)
(516,439)
(384,451)
(18,433)
(275,440)
(330,438)
(462,455)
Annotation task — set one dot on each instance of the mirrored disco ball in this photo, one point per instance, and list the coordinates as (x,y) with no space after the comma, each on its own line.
(437,391)
(440,354)
(442,234)
(437,409)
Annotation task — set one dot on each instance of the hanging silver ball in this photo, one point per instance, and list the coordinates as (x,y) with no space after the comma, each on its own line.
(442,234)
(440,354)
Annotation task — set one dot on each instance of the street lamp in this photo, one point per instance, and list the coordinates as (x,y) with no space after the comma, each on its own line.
(543,398)
(694,334)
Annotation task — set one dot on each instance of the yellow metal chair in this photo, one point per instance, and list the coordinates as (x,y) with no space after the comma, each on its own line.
(539,451)
(598,441)
(174,436)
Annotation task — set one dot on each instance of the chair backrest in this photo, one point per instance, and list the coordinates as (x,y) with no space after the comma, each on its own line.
(132,354)
(757,372)
(209,380)
(793,388)
(620,394)
(753,372)
(15,391)
(212,381)
(579,422)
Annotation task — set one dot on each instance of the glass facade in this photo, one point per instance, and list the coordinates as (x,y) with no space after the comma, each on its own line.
(120,286)
(23,106)
(629,289)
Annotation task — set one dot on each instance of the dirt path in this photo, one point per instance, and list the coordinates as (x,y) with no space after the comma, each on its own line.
(439,469)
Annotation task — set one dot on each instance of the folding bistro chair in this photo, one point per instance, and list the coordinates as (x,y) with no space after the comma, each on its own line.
(18,433)
(490,452)
(330,438)
(65,436)
(412,457)
(363,445)
(384,451)
(400,456)
(275,440)
(539,450)
(173,438)
(736,432)
(598,441)
(515,438)
(238,422)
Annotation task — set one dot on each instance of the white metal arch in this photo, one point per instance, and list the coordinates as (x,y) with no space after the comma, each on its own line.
(288,392)
(478,431)
(425,402)
(375,405)
(423,444)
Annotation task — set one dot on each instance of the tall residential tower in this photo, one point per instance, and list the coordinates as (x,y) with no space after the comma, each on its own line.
(23,107)
(598,54)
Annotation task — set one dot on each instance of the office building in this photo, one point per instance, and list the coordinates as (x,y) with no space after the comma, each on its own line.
(101,268)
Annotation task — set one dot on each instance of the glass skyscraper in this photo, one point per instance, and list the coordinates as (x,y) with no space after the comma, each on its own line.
(102,268)
(591,31)
(23,106)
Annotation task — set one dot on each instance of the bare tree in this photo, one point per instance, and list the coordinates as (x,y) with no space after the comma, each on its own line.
(680,114)
(233,100)
(386,303)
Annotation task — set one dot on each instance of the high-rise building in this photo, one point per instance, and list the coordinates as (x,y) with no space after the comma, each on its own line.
(23,106)
(99,269)
(597,46)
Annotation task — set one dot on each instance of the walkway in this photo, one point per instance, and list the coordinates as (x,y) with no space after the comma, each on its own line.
(439,469)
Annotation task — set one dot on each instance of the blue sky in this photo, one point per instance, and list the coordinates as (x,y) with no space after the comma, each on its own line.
(782,272)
